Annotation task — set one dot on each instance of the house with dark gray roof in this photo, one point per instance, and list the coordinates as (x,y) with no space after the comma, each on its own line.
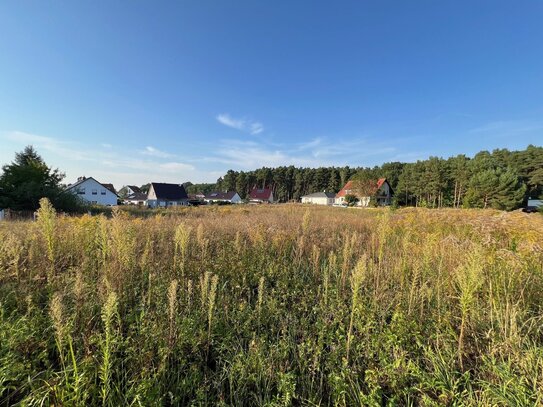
(319,198)
(224,197)
(165,195)
(132,189)
(137,198)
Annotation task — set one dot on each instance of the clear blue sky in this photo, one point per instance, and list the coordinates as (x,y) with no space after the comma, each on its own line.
(138,91)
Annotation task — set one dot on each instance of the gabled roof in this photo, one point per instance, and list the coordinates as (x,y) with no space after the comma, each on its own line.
(109,187)
(262,194)
(347,189)
(223,196)
(138,196)
(170,192)
(134,188)
(320,195)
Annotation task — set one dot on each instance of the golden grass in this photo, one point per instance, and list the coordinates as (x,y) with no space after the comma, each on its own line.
(273,305)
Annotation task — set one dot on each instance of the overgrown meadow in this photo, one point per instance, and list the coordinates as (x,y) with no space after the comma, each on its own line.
(273,305)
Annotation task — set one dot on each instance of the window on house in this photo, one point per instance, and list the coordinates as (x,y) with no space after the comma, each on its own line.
(81,191)
(103,192)
(95,191)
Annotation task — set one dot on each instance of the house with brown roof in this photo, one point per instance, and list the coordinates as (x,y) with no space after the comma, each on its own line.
(380,190)
(261,195)
(165,195)
(223,197)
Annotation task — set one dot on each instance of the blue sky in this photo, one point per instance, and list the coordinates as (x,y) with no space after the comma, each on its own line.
(138,91)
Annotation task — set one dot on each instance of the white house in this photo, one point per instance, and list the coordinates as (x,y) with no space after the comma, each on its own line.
(228,197)
(137,198)
(381,191)
(132,189)
(90,190)
(319,198)
(165,195)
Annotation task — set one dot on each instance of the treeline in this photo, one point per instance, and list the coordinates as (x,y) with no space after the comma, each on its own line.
(288,183)
(499,179)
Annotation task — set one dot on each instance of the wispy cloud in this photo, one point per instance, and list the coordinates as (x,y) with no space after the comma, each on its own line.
(507,127)
(246,155)
(246,125)
(109,164)
(154,152)
(51,144)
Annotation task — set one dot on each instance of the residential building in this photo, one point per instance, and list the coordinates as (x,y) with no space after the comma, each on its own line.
(91,191)
(166,195)
(136,198)
(261,195)
(319,198)
(380,190)
(224,197)
(132,189)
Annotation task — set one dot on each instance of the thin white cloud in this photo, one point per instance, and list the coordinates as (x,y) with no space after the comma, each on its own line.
(224,118)
(256,128)
(246,125)
(247,155)
(53,145)
(507,127)
(154,152)
(175,166)
(108,164)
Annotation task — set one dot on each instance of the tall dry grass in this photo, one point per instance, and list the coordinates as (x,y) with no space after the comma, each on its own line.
(273,305)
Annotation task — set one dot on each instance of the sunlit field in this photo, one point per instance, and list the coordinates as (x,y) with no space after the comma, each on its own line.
(273,305)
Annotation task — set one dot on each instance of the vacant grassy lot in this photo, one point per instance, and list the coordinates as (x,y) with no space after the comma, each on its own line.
(273,305)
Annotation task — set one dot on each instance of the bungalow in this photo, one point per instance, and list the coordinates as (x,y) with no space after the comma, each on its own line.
(319,198)
(90,190)
(381,191)
(164,195)
(226,197)
(261,195)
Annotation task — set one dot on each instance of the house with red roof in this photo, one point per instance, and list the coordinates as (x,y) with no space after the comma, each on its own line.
(261,195)
(380,190)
